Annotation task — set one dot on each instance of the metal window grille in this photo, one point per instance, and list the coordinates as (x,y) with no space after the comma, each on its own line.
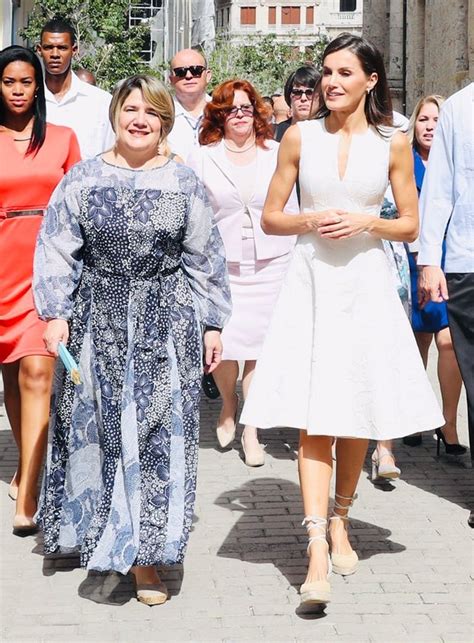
(145,12)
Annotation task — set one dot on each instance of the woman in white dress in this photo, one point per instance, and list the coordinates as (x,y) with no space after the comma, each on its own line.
(340,360)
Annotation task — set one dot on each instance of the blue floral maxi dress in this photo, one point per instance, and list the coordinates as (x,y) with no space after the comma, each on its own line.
(135,263)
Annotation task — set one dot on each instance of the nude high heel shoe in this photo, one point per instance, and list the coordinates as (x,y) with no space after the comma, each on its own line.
(387,470)
(318,591)
(225,438)
(255,457)
(344,564)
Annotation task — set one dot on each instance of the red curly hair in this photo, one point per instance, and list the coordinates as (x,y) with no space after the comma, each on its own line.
(215,113)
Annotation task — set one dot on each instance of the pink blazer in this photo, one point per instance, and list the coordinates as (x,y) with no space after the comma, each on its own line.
(213,168)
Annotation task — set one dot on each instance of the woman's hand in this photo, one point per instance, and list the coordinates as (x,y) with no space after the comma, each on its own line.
(347,225)
(212,350)
(57,330)
(318,220)
(432,285)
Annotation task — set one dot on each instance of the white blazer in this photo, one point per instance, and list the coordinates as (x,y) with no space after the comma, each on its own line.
(214,169)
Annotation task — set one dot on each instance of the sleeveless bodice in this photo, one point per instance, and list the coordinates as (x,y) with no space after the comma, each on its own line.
(366,177)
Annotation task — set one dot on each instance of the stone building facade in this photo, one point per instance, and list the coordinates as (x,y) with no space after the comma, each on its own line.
(295,20)
(428,45)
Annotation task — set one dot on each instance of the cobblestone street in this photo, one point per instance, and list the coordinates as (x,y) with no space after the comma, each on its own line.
(247,558)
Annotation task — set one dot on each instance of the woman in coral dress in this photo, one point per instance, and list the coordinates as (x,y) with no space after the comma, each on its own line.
(34,157)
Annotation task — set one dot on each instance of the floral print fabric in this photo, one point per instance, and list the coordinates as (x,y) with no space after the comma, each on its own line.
(135,263)
(398,259)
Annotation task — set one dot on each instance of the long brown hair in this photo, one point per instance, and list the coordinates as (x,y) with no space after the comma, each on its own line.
(378,104)
(216,111)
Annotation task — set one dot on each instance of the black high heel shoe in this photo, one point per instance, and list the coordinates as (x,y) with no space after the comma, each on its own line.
(451,449)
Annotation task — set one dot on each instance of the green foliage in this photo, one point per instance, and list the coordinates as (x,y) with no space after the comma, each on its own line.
(263,60)
(107,46)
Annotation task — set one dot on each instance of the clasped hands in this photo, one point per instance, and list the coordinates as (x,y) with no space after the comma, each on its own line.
(339,224)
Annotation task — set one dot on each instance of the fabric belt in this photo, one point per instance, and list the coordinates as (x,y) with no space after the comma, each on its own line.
(24,213)
(104,273)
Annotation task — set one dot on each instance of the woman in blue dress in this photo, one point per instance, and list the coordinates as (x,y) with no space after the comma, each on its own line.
(432,320)
(130,272)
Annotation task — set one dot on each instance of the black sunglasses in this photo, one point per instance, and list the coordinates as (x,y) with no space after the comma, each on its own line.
(298,93)
(196,71)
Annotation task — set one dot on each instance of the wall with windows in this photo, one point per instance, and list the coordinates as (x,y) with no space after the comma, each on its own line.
(303,19)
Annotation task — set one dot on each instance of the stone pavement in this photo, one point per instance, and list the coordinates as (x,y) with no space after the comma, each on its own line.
(246,560)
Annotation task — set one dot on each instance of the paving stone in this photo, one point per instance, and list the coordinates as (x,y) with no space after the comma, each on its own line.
(247,558)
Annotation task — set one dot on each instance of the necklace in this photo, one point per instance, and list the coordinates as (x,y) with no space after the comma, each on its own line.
(246,149)
(18,140)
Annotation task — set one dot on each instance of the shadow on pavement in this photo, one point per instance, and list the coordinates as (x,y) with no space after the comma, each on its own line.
(269,530)
(107,588)
(8,456)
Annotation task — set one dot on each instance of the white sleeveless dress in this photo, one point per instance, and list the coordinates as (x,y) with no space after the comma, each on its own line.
(340,356)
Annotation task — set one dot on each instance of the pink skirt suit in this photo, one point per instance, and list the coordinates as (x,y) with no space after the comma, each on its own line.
(256,262)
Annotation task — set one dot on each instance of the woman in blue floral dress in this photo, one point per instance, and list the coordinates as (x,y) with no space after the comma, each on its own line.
(130,272)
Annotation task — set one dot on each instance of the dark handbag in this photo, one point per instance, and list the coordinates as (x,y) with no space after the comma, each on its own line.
(209,387)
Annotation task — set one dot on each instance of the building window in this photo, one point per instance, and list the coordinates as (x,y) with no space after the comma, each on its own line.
(272,15)
(347,5)
(248,15)
(290,15)
(309,15)
(150,13)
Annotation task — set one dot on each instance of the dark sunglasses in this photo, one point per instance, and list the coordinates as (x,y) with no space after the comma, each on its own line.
(247,110)
(298,93)
(196,71)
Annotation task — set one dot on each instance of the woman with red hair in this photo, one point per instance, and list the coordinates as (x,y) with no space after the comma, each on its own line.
(236,162)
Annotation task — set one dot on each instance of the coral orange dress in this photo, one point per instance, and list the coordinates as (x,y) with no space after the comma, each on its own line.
(26,184)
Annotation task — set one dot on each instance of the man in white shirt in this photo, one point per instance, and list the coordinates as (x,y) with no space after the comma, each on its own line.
(189,77)
(69,100)
(447,208)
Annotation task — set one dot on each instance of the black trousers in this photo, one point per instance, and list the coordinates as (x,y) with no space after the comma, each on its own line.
(461,325)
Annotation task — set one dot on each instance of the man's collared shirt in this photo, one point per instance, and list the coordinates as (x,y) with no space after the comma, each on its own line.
(85,109)
(184,136)
(447,196)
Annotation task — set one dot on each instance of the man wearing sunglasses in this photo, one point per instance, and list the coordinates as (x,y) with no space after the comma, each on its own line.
(299,90)
(189,77)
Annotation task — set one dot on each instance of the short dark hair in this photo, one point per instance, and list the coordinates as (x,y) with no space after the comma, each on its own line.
(10,55)
(307,76)
(59,25)
(378,105)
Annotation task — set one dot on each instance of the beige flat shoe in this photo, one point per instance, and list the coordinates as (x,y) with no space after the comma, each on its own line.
(24,526)
(156,594)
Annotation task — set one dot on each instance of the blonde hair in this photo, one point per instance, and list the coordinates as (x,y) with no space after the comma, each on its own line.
(153,91)
(436,99)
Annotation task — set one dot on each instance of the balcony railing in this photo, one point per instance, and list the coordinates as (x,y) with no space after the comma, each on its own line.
(346,17)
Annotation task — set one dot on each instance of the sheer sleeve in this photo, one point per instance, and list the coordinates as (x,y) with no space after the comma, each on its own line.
(204,259)
(58,255)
